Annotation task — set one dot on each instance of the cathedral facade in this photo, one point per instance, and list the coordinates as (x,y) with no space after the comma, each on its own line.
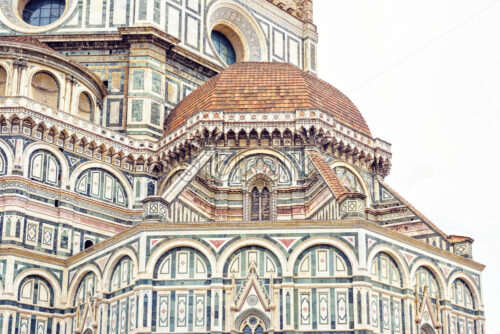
(176,166)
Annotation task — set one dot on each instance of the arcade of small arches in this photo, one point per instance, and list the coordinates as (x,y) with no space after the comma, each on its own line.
(256,173)
(247,138)
(330,262)
(170,158)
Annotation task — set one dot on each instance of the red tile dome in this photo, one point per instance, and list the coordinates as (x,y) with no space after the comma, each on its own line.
(248,87)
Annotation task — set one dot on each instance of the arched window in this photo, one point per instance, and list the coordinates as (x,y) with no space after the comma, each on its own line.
(182,263)
(138,188)
(424,277)
(224,47)
(349,180)
(85,107)
(151,189)
(253,325)
(322,260)
(463,306)
(44,167)
(43,12)
(88,243)
(385,270)
(45,89)
(36,290)
(462,295)
(3,163)
(123,274)
(260,204)
(102,185)
(427,329)
(385,275)
(3,81)
(265,262)
(88,285)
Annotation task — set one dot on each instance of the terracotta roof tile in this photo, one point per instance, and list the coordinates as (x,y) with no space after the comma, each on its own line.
(327,173)
(267,87)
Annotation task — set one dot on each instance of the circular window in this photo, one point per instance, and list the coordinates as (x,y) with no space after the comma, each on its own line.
(43,12)
(224,47)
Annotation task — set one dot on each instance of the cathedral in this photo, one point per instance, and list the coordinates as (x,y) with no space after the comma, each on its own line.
(177,166)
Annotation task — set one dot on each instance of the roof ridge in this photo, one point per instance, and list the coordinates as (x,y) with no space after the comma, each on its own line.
(327,174)
(415,210)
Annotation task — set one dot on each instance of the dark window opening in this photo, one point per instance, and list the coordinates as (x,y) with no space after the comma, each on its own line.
(224,47)
(260,203)
(88,244)
(151,189)
(43,12)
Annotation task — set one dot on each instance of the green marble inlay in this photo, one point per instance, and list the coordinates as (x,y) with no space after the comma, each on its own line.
(138,80)
(137,106)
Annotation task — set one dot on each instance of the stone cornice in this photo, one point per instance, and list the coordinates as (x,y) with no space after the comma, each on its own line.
(151,226)
(14,181)
(300,9)
(125,36)
(303,121)
(18,251)
(148,34)
(327,132)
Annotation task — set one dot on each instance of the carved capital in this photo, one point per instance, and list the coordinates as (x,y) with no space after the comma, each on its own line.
(20,63)
(71,79)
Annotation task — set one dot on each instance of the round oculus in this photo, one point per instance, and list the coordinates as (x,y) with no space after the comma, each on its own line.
(224,47)
(43,12)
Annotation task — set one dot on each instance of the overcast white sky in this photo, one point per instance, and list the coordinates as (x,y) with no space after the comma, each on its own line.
(426,76)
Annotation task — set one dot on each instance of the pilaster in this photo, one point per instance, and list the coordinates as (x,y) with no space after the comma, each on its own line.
(19,67)
(145,82)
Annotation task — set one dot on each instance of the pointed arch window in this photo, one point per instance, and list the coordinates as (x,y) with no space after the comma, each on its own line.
(253,325)
(260,203)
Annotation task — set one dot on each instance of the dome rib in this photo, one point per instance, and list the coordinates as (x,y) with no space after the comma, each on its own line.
(248,87)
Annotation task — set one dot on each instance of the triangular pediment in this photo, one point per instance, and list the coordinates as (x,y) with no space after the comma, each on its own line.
(426,314)
(252,287)
(87,318)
